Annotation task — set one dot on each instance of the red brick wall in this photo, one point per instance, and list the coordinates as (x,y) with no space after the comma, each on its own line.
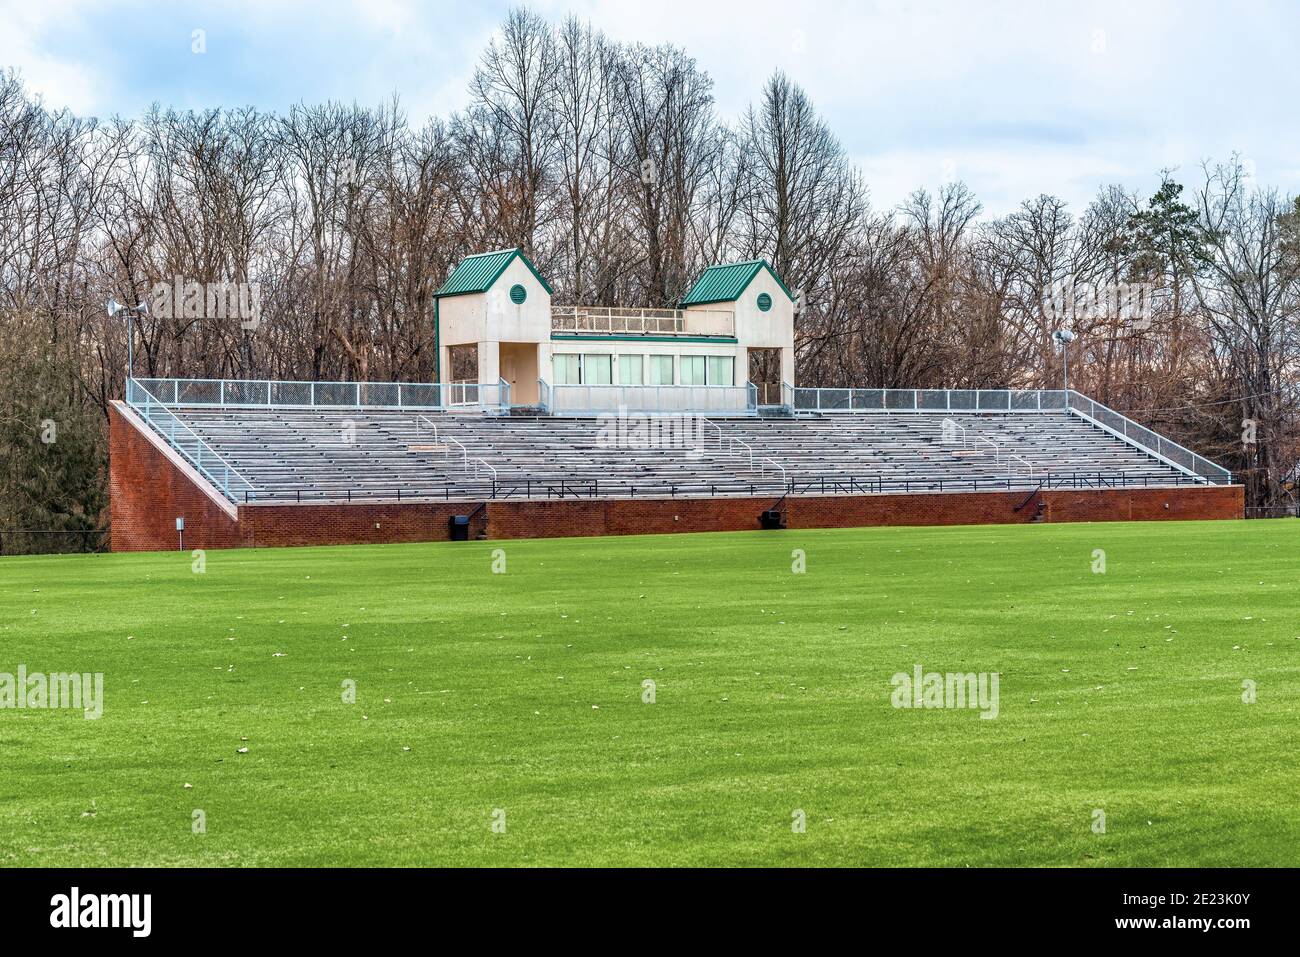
(1143,505)
(277,525)
(148,492)
(547,519)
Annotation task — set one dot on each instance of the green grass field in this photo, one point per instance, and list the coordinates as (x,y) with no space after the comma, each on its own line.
(523,692)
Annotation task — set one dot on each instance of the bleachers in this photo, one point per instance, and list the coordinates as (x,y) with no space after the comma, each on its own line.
(340,455)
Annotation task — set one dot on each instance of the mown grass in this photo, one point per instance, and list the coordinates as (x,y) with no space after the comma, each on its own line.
(523,692)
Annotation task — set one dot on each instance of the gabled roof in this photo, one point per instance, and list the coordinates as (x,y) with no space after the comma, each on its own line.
(726,282)
(478,273)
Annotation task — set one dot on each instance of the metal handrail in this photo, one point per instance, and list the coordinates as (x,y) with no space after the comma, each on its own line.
(151,402)
(1019,458)
(466,458)
(1148,440)
(452,440)
(958,425)
(634,321)
(763,460)
(785,481)
(424,420)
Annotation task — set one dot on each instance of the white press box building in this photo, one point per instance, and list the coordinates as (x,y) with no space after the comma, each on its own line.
(729,347)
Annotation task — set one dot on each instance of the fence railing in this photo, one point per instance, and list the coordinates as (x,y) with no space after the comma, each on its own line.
(775,484)
(1139,436)
(1012,400)
(767,393)
(664,322)
(926,400)
(272,393)
(188,443)
(595,399)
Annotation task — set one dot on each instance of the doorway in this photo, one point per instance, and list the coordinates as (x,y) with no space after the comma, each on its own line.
(519,368)
(765,373)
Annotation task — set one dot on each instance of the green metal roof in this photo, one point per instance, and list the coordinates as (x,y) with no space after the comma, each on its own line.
(478,273)
(727,282)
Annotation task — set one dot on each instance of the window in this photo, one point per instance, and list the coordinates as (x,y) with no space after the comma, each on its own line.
(692,370)
(661,370)
(518,294)
(597,369)
(464,363)
(631,370)
(722,370)
(567,369)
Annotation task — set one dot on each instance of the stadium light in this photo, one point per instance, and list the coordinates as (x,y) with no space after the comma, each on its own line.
(113,307)
(1063,338)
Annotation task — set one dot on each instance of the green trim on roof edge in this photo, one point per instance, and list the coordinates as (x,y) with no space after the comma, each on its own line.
(726,282)
(474,276)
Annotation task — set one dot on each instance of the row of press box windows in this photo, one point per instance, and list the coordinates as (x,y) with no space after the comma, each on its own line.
(599,369)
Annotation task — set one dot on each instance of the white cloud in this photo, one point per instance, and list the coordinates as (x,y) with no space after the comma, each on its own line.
(25,45)
(1019,97)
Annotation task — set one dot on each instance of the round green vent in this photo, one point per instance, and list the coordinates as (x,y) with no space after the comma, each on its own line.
(518,294)
(764,301)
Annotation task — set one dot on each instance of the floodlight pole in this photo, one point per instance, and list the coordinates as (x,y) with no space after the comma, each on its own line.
(1065,337)
(114,307)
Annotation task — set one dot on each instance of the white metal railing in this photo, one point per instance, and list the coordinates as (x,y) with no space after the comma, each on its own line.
(728,444)
(997,449)
(927,400)
(767,393)
(284,394)
(268,393)
(467,461)
(594,399)
(953,427)
(480,395)
(1012,458)
(1011,400)
(646,322)
(1153,443)
(188,443)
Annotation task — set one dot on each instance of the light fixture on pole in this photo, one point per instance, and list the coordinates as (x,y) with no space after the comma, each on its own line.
(1063,338)
(141,309)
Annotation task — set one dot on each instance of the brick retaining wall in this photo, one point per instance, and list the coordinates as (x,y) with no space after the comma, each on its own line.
(150,486)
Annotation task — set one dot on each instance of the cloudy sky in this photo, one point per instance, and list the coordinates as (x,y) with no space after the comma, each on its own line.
(1014,98)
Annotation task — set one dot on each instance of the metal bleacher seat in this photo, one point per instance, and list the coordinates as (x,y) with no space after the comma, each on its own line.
(318,455)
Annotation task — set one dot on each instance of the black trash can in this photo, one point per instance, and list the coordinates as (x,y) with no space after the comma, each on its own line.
(771,518)
(460,528)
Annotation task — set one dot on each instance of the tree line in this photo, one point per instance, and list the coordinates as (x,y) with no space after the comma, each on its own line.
(610,165)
